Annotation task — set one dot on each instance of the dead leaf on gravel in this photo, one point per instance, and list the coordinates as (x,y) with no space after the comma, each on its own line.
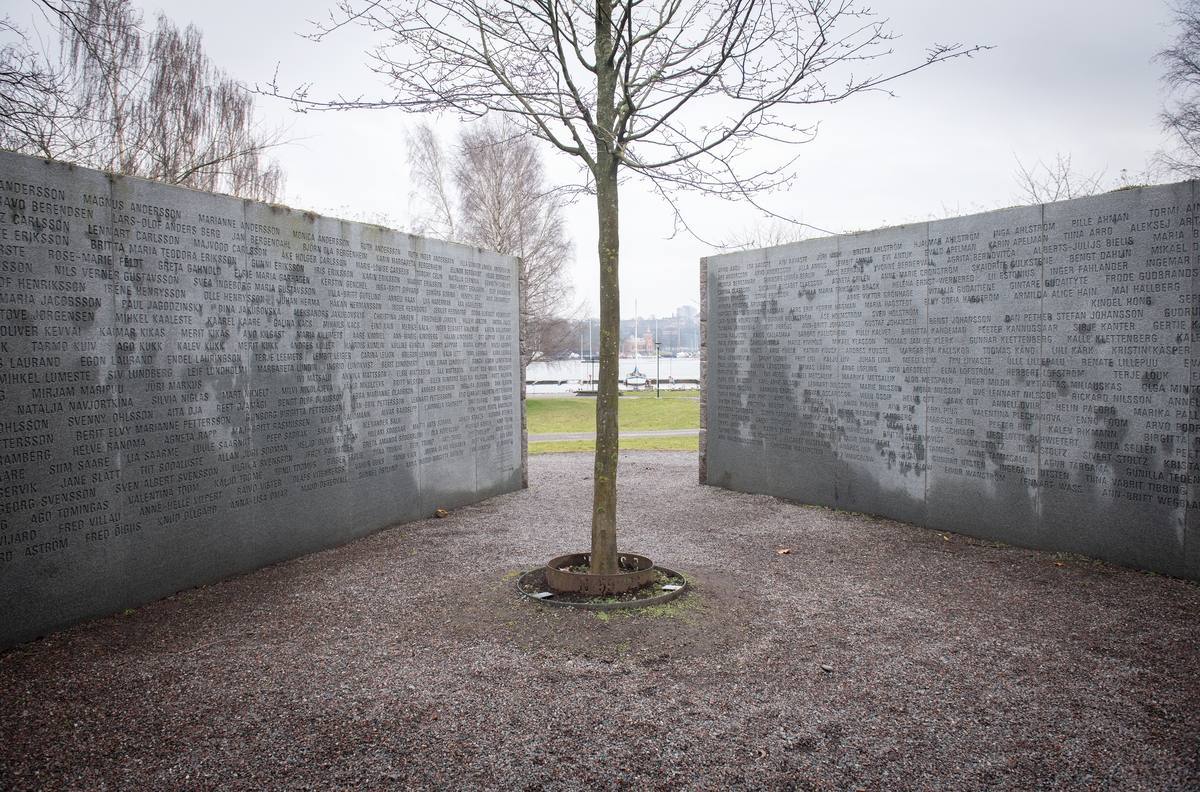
(1058,563)
(782,552)
(442,513)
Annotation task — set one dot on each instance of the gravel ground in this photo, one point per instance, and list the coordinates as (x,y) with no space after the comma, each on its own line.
(874,655)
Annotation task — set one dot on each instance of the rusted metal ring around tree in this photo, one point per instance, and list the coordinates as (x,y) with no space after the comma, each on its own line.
(640,573)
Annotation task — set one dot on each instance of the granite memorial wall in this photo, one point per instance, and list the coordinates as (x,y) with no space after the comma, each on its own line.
(193,386)
(1026,375)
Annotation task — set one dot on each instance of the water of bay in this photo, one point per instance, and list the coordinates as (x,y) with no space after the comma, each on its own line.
(568,376)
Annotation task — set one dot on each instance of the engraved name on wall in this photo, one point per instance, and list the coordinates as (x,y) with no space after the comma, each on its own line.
(193,385)
(1025,375)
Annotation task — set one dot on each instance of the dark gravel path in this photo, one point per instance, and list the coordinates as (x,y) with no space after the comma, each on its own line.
(873,656)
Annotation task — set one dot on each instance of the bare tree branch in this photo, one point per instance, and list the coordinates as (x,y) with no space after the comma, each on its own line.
(676,92)
(430,180)
(121,99)
(491,191)
(36,111)
(1042,183)
(1180,116)
(529,60)
(769,234)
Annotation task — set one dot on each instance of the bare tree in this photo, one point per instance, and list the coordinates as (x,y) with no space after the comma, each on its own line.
(553,337)
(1058,181)
(200,123)
(36,108)
(507,205)
(768,234)
(121,99)
(432,189)
(491,190)
(1181,116)
(669,90)
(106,56)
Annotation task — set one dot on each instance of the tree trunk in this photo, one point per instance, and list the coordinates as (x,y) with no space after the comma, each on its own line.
(604,497)
(604,492)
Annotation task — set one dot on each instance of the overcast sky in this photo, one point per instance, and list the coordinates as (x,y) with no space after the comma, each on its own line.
(1070,76)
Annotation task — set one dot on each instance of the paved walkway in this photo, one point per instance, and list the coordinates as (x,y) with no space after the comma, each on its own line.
(555,436)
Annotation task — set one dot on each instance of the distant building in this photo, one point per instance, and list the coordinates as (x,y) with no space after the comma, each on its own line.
(634,343)
(677,334)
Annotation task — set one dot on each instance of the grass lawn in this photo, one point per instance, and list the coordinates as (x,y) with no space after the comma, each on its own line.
(636,413)
(627,444)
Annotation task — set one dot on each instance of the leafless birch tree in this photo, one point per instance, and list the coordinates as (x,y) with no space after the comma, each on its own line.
(491,190)
(122,99)
(431,180)
(673,91)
